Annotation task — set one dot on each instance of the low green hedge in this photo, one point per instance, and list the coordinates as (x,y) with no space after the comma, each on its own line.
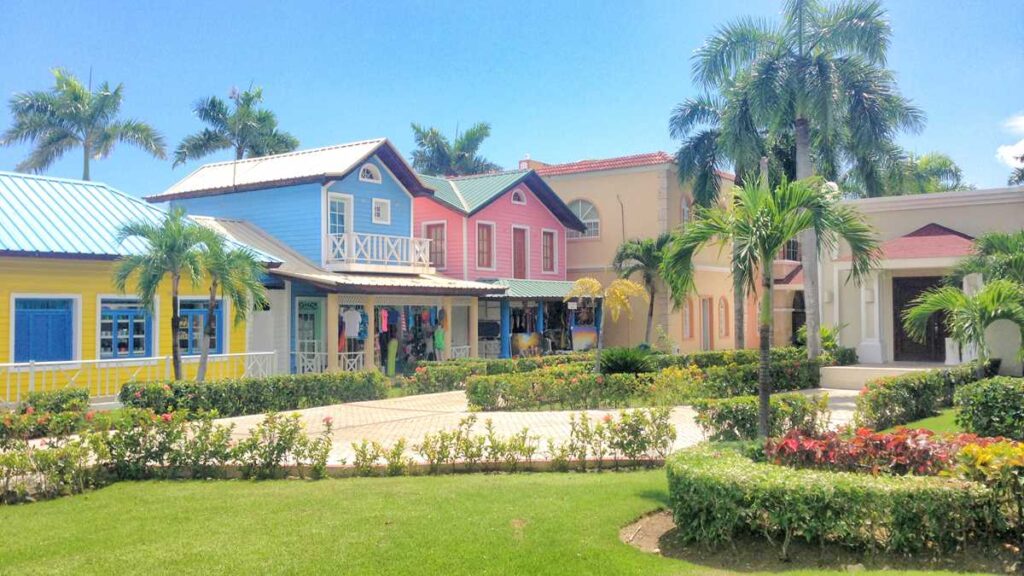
(716,493)
(55,401)
(573,386)
(737,418)
(992,407)
(241,396)
(894,400)
(441,377)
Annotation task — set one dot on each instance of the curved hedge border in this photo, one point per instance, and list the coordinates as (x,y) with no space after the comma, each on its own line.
(891,401)
(736,418)
(241,396)
(716,493)
(992,407)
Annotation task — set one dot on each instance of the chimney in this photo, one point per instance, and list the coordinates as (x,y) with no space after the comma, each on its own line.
(529,164)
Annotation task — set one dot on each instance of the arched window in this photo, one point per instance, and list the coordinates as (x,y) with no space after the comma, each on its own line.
(586,212)
(723,317)
(369,173)
(518,197)
(687,319)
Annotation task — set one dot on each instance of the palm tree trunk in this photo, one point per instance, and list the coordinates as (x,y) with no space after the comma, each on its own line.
(651,291)
(175,326)
(808,245)
(208,326)
(764,384)
(739,301)
(86,153)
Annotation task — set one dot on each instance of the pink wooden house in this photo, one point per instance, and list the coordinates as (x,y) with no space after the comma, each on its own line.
(509,229)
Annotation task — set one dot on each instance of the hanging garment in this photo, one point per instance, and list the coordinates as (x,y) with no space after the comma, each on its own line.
(439,339)
(441,317)
(384,320)
(364,323)
(353,320)
(392,355)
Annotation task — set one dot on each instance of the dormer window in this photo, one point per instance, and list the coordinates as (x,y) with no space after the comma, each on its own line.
(518,197)
(369,173)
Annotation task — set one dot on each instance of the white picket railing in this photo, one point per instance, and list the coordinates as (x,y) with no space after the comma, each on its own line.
(351,361)
(490,348)
(106,377)
(460,352)
(379,250)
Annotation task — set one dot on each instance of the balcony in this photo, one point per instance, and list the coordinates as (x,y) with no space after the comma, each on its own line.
(353,252)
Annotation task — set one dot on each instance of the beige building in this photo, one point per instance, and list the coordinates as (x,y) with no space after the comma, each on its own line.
(922,237)
(640,197)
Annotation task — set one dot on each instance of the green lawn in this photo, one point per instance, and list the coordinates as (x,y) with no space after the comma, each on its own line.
(468,524)
(944,423)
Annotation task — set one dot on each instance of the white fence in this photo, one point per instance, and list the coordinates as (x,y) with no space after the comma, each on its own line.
(106,377)
(316,362)
(380,250)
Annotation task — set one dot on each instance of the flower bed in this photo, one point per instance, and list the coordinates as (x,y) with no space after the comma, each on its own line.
(891,401)
(242,396)
(716,493)
(992,407)
(725,419)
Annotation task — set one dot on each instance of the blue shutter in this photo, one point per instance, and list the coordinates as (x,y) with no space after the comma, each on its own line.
(43,330)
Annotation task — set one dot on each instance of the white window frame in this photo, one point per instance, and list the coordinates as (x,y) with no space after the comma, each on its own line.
(723,324)
(526,249)
(494,246)
(387,207)
(522,196)
(154,323)
(573,234)
(444,225)
(554,250)
(76,321)
(376,178)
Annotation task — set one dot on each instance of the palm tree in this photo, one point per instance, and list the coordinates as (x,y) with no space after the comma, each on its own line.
(967,317)
(1017,176)
(172,249)
(758,225)
(236,274)
(907,173)
(615,300)
(820,77)
(71,115)
(435,155)
(643,256)
(996,256)
(248,130)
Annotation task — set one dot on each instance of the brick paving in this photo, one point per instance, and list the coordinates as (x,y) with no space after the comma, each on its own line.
(413,417)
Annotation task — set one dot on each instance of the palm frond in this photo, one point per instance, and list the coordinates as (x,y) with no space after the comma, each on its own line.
(732,47)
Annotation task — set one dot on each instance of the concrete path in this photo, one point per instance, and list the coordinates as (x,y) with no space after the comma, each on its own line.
(413,417)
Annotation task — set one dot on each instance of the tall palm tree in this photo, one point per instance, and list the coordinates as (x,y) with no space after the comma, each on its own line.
(996,256)
(643,256)
(435,155)
(248,130)
(819,76)
(967,317)
(71,115)
(615,299)
(235,274)
(172,249)
(758,225)
(907,173)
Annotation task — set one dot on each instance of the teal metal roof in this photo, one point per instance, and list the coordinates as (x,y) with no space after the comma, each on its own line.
(45,216)
(531,289)
(469,194)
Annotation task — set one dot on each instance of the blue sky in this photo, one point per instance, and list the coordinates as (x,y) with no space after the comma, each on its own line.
(561,81)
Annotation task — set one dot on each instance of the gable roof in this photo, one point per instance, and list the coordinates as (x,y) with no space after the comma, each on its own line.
(313,165)
(929,241)
(531,289)
(470,194)
(631,161)
(55,217)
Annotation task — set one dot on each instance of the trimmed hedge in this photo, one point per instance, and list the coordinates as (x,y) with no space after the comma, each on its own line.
(992,407)
(894,400)
(441,377)
(237,397)
(63,400)
(737,418)
(573,386)
(716,493)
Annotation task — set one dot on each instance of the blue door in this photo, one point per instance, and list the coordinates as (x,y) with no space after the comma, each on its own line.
(43,330)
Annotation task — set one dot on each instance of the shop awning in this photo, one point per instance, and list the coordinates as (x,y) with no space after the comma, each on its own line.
(519,289)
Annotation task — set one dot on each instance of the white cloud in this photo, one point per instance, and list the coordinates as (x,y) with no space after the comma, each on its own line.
(1009,154)
(1015,123)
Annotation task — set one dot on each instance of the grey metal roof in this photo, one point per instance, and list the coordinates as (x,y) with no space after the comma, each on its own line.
(517,288)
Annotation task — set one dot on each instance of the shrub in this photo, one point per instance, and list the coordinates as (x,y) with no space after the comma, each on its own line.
(443,376)
(992,407)
(716,493)
(626,361)
(895,400)
(736,418)
(242,396)
(785,374)
(63,400)
(676,385)
(571,386)
(279,441)
(840,357)
(999,465)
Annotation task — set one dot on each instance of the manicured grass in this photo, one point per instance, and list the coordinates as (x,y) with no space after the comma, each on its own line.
(468,524)
(944,423)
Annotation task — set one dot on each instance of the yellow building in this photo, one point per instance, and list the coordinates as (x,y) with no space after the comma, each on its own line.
(640,197)
(62,322)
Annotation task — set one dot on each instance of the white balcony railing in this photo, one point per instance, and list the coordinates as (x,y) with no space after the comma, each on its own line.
(308,362)
(460,351)
(107,377)
(354,251)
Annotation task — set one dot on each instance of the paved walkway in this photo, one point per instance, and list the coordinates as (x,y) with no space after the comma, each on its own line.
(413,417)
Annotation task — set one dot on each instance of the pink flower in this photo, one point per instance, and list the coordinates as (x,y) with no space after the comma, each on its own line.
(30,410)
(166,417)
(167,388)
(328,420)
(607,418)
(89,416)
(138,394)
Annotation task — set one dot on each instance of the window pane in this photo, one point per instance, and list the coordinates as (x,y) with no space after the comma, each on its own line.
(336,216)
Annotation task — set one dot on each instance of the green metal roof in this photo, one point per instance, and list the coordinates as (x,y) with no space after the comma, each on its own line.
(531,289)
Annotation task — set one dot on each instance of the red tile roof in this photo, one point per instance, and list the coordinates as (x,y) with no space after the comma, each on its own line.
(648,159)
(929,241)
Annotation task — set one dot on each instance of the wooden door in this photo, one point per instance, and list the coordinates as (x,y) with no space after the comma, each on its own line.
(905,348)
(519,253)
(706,338)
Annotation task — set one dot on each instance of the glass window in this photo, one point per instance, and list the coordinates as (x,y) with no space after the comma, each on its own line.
(518,197)
(436,233)
(125,329)
(586,212)
(369,173)
(43,329)
(193,322)
(548,241)
(687,319)
(337,214)
(686,212)
(485,245)
(723,318)
(381,211)
(791,251)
